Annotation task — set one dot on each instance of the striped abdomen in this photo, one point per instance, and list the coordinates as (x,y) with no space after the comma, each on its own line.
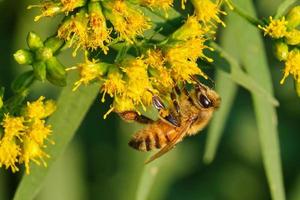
(154,136)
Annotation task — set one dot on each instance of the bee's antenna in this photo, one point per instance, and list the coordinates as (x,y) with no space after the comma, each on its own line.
(212,81)
(194,78)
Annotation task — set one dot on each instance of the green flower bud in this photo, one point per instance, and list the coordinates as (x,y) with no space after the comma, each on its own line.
(293,37)
(1,96)
(54,43)
(56,73)
(297,87)
(293,17)
(43,54)
(23,81)
(34,41)
(23,57)
(39,69)
(281,51)
(1,102)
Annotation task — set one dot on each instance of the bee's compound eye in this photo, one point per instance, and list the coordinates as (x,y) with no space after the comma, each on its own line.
(204,101)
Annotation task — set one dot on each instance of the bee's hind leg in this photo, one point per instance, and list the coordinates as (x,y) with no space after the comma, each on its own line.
(134,116)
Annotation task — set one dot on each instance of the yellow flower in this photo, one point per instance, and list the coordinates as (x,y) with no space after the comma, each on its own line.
(128,21)
(161,77)
(74,30)
(9,153)
(138,84)
(208,11)
(99,34)
(38,131)
(293,37)
(277,28)
(48,9)
(51,8)
(40,109)
(190,29)
(89,71)
(113,85)
(122,103)
(32,151)
(13,126)
(292,66)
(183,56)
(70,5)
(164,4)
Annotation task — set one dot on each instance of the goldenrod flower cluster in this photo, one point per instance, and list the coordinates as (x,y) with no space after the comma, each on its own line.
(286,33)
(156,70)
(24,137)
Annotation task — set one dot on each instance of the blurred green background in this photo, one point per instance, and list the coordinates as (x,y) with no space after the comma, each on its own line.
(98,164)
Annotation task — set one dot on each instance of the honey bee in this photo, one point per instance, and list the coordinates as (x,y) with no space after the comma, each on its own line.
(192,111)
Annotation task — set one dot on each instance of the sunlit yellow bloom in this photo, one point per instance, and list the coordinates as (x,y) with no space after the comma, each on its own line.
(128,21)
(32,151)
(70,5)
(40,109)
(277,28)
(138,84)
(292,66)
(75,30)
(113,85)
(13,126)
(122,103)
(9,153)
(208,11)
(51,8)
(190,29)
(161,77)
(89,71)
(99,34)
(48,9)
(38,131)
(293,37)
(183,56)
(163,4)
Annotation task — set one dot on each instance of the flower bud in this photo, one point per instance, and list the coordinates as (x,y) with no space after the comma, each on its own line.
(54,43)
(23,57)
(1,96)
(23,81)
(293,17)
(297,87)
(56,73)
(293,37)
(34,41)
(43,54)
(281,51)
(39,69)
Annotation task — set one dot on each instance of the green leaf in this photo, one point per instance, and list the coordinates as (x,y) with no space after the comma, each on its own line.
(72,107)
(249,49)
(227,63)
(227,90)
(147,179)
(283,7)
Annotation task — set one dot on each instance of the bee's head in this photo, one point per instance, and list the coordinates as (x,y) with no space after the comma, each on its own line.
(206,97)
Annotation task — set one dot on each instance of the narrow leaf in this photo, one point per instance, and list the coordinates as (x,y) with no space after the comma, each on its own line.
(72,107)
(283,7)
(227,90)
(248,47)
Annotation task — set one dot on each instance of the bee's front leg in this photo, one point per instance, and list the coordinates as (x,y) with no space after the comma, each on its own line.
(164,113)
(134,116)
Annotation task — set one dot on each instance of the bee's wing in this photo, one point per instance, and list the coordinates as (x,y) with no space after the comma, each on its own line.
(172,143)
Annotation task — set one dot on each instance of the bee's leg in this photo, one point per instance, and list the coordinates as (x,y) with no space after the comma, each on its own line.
(134,116)
(170,117)
(175,102)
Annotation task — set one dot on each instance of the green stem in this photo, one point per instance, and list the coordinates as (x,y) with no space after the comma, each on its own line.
(252,20)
